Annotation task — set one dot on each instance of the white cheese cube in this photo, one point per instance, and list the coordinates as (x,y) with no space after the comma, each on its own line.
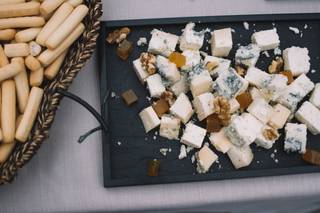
(181,86)
(191,39)
(296,138)
(155,85)
(257,77)
(169,127)
(193,135)
(167,69)
(266,39)
(240,156)
(248,55)
(260,109)
(205,158)
(243,130)
(182,108)
(200,81)
(221,42)
(309,115)
(149,118)
(230,84)
(162,43)
(315,97)
(220,141)
(193,58)
(279,116)
(203,105)
(296,59)
(264,142)
(140,72)
(223,66)
(234,105)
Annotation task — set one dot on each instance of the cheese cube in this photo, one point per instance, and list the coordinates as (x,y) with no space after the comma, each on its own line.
(193,58)
(275,87)
(243,130)
(203,105)
(162,43)
(193,135)
(223,66)
(315,97)
(155,85)
(169,127)
(296,138)
(248,55)
(191,39)
(167,69)
(266,39)
(221,42)
(240,156)
(230,84)
(296,59)
(309,115)
(149,118)
(260,109)
(256,93)
(140,72)
(264,142)
(220,141)
(279,116)
(257,77)
(181,86)
(200,81)
(205,158)
(234,105)
(182,108)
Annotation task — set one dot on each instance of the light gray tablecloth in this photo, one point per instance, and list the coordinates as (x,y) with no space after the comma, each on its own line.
(67,177)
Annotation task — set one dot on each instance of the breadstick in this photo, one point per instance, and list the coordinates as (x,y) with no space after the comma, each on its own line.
(34,48)
(5,151)
(32,63)
(58,17)
(22,85)
(3,58)
(73,20)
(75,3)
(18,10)
(52,70)
(27,35)
(10,70)
(49,6)
(16,50)
(22,22)
(48,56)
(7,35)
(8,110)
(30,114)
(2,2)
(36,77)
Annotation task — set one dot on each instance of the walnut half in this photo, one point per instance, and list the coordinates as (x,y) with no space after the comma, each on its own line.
(222,109)
(270,134)
(276,65)
(148,62)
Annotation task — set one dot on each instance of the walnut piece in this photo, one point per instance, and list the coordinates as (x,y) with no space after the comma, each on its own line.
(211,65)
(270,134)
(222,109)
(240,70)
(148,62)
(117,36)
(169,97)
(276,65)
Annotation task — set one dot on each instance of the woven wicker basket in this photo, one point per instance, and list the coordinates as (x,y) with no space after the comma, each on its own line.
(78,54)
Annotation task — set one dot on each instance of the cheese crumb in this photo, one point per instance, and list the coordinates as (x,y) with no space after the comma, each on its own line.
(113,94)
(154,137)
(277,51)
(119,143)
(189,149)
(305,26)
(142,41)
(295,30)
(313,71)
(183,152)
(246,25)
(266,53)
(193,158)
(233,30)
(164,151)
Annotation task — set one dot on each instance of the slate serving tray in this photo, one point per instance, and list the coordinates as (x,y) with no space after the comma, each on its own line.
(126,146)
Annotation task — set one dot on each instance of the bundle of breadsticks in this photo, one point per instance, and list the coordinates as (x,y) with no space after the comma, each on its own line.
(34,40)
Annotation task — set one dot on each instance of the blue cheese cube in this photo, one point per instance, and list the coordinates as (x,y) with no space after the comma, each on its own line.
(182,108)
(162,43)
(223,64)
(260,109)
(190,39)
(203,105)
(193,58)
(257,77)
(248,55)
(266,39)
(309,115)
(205,158)
(155,85)
(221,42)
(264,140)
(296,138)
(220,141)
(167,69)
(200,81)
(149,118)
(169,127)
(181,86)
(230,84)
(141,73)
(296,59)
(193,135)
(315,96)
(240,156)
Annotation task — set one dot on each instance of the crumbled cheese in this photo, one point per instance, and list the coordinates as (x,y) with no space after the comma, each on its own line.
(189,149)
(266,54)
(277,51)
(113,95)
(183,152)
(142,41)
(193,158)
(313,71)
(154,137)
(119,143)
(233,30)
(246,25)
(276,160)
(305,26)
(295,30)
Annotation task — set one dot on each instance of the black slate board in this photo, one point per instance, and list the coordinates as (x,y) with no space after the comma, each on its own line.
(126,164)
